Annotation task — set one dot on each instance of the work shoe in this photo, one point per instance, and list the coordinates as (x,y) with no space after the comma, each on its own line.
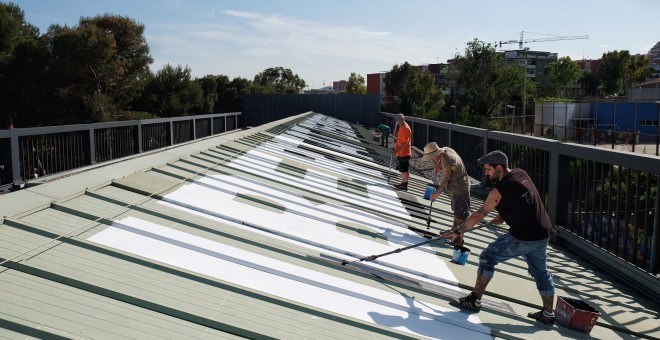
(402,186)
(469,302)
(543,316)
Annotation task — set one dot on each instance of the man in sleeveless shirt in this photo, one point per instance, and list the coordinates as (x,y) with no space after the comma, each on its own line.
(453,177)
(519,204)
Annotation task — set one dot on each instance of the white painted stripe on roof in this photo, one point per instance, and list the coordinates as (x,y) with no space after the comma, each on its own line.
(288,281)
(209,201)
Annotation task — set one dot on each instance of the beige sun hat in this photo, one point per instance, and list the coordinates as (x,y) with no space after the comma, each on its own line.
(431,150)
(400,117)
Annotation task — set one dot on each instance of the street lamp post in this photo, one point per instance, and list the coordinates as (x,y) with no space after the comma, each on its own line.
(454,118)
(512,115)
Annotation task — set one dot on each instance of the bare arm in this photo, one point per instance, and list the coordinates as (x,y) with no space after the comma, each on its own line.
(444,182)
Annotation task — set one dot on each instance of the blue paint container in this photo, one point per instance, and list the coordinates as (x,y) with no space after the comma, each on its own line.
(460,255)
(430,189)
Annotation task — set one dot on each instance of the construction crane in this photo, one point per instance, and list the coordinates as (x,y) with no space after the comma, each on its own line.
(550,38)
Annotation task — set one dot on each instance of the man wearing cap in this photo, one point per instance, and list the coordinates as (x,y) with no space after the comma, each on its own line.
(519,204)
(403,149)
(454,178)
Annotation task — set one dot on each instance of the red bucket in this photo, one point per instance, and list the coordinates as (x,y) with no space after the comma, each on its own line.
(575,314)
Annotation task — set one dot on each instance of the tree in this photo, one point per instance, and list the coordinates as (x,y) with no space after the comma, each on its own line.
(589,84)
(130,58)
(95,68)
(561,74)
(171,92)
(209,88)
(412,92)
(23,57)
(484,81)
(612,71)
(278,80)
(14,31)
(230,93)
(637,69)
(356,84)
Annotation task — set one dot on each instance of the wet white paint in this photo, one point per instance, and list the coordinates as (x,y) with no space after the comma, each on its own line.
(306,224)
(247,269)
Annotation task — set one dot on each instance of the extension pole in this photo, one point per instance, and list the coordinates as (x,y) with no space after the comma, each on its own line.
(389,170)
(428,218)
(373,257)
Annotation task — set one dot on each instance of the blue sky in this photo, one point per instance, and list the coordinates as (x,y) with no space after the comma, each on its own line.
(324,41)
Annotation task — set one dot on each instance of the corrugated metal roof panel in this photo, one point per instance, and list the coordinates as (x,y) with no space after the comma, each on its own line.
(244,235)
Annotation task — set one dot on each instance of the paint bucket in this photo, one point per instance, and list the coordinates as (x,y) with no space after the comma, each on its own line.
(575,314)
(430,189)
(460,255)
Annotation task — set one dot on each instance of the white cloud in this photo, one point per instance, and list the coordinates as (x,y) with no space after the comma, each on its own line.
(307,47)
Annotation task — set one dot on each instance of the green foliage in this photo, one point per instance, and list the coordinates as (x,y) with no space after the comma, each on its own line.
(561,74)
(589,84)
(230,93)
(619,70)
(412,92)
(172,92)
(85,73)
(14,31)
(209,93)
(98,70)
(484,80)
(356,84)
(278,80)
(22,61)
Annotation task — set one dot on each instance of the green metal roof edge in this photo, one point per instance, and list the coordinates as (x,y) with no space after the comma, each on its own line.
(171,311)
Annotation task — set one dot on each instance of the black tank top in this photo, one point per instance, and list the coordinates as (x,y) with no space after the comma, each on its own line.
(521,207)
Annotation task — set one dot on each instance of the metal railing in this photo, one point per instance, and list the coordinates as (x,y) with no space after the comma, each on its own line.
(616,124)
(30,153)
(608,198)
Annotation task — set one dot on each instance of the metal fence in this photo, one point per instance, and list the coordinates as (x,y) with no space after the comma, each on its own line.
(362,109)
(607,198)
(615,124)
(30,153)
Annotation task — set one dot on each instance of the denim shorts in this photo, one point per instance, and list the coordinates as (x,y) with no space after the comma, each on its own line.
(534,252)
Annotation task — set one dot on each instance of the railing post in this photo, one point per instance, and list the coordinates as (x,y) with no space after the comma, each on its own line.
(450,132)
(92,146)
(171,124)
(557,204)
(194,128)
(653,265)
(15,160)
(139,137)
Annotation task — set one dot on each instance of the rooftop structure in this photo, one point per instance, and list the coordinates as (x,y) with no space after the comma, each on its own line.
(243,235)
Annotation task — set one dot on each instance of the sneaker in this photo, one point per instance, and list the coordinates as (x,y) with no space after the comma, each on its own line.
(469,302)
(543,316)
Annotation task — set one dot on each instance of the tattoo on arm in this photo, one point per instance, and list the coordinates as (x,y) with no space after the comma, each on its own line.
(482,211)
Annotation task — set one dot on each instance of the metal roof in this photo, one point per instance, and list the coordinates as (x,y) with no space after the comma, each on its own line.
(244,235)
